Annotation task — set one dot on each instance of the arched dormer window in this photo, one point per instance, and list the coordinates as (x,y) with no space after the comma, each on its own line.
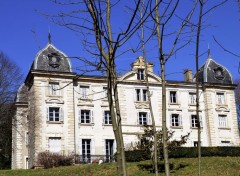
(219,73)
(54,60)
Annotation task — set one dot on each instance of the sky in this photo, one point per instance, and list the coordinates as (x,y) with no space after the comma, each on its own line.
(24,31)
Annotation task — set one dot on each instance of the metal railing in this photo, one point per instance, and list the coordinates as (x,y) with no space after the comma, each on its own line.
(86,159)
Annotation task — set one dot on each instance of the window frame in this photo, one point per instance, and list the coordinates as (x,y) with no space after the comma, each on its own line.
(107,120)
(173,99)
(141,95)
(53,118)
(220,98)
(140,74)
(84,91)
(176,120)
(192,98)
(83,116)
(222,121)
(54,88)
(60,144)
(86,145)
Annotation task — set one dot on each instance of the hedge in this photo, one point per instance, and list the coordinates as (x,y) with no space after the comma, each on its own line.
(185,152)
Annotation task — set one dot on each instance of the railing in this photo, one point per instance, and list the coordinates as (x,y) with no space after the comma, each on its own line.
(85,159)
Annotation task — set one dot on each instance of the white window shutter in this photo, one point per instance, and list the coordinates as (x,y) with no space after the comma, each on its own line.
(61,114)
(47,113)
(170,119)
(180,119)
(149,119)
(92,117)
(79,116)
(135,95)
(103,117)
(138,118)
(200,118)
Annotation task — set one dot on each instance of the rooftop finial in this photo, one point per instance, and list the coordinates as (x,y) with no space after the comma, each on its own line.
(209,52)
(49,36)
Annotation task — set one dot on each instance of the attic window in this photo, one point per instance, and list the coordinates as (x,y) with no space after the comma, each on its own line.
(219,73)
(54,60)
(140,74)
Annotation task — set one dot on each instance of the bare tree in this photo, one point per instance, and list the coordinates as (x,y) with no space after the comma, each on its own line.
(10,79)
(161,21)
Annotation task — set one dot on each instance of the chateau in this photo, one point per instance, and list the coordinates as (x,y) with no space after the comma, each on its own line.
(60,111)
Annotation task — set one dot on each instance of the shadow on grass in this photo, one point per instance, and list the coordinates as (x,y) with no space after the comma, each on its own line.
(173,167)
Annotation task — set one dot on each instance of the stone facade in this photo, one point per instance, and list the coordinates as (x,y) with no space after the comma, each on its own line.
(60,111)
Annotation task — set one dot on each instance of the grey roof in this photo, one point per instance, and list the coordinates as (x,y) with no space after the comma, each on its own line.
(22,94)
(212,72)
(51,59)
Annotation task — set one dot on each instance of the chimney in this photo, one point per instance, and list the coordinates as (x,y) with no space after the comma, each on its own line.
(188,75)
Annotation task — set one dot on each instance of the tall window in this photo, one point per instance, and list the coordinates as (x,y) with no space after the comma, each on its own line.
(173,97)
(222,119)
(54,88)
(107,117)
(84,91)
(142,118)
(194,121)
(85,116)
(26,138)
(55,114)
(109,150)
(176,120)
(192,98)
(141,95)
(54,144)
(86,150)
(140,74)
(220,98)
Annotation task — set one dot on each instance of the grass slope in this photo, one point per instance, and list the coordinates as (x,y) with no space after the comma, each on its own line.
(211,166)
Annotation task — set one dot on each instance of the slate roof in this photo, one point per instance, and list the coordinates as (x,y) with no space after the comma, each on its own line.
(212,72)
(51,59)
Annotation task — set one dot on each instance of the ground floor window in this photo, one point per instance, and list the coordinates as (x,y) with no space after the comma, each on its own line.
(54,144)
(109,150)
(86,150)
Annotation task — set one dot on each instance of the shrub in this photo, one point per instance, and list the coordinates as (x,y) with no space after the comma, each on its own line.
(49,160)
(136,156)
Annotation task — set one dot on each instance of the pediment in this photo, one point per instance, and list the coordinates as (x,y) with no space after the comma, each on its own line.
(55,100)
(222,109)
(132,76)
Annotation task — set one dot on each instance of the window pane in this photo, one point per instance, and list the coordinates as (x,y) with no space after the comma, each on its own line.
(173,98)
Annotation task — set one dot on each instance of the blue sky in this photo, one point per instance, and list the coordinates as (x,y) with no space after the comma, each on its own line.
(20,18)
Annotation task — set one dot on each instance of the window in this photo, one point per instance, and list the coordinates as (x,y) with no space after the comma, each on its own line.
(176,120)
(86,116)
(222,119)
(54,144)
(225,143)
(54,114)
(141,95)
(107,117)
(109,150)
(84,91)
(104,92)
(192,98)
(140,74)
(27,162)
(86,150)
(173,97)
(195,143)
(220,98)
(143,118)
(54,88)
(194,121)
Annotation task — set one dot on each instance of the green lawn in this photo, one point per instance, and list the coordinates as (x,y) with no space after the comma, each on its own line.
(211,166)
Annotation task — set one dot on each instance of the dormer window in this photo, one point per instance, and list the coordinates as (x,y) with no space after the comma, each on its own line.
(219,73)
(54,60)
(140,74)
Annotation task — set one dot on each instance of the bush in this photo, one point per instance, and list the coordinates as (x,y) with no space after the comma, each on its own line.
(186,152)
(50,160)
(136,156)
